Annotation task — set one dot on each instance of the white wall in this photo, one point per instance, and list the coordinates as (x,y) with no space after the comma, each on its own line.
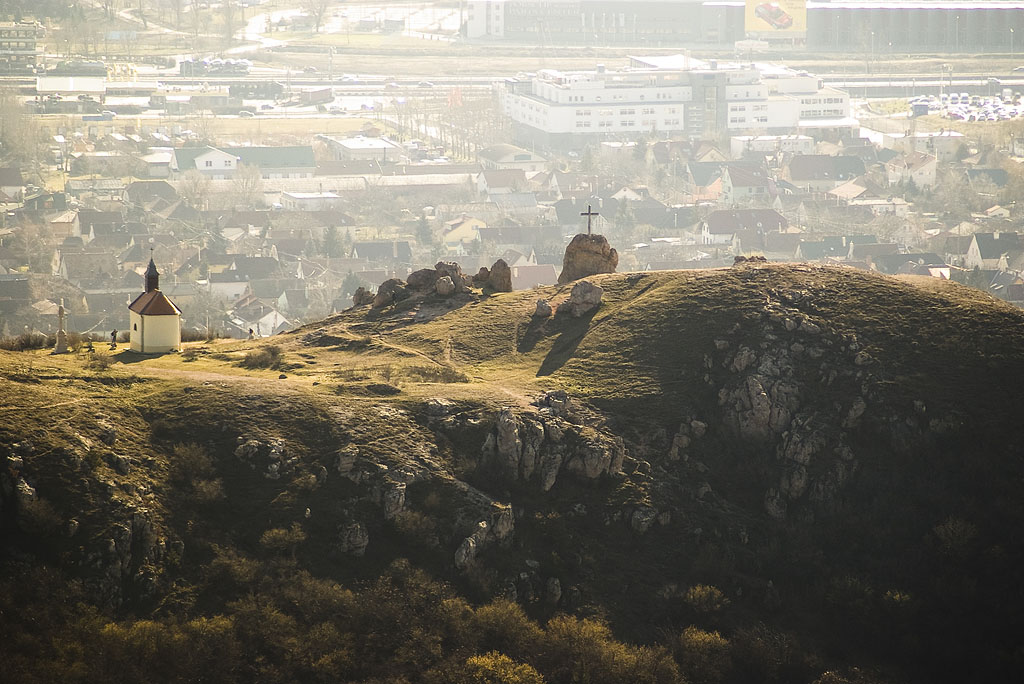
(154,334)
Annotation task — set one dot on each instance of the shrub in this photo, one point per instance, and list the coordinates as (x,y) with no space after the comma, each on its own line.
(445,374)
(705,598)
(279,540)
(190,463)
(704,656)
(99,362)
(270,357)
(25,341)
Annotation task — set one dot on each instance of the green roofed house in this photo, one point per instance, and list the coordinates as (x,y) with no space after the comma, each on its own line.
(219,163)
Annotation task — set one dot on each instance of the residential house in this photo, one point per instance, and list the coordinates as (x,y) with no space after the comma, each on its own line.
(859,188)
(527,276)
(65,224)
(997,212)
(743,228)
(703,180)
(388,253)
(296,161)
(497,182)
(505,157)
(11,182)
(832,246)
(987,249)
(917,168)
(157,163)
(817,173)
(311,201)
(905,263)
(745,185)
(461,232)
(361,148)
(138,193)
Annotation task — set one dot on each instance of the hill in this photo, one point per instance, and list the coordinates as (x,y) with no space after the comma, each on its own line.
(770,473)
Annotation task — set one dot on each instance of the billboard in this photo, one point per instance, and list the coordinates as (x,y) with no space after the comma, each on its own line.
(775,17)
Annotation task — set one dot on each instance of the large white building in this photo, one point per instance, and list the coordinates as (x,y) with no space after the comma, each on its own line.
(673,95)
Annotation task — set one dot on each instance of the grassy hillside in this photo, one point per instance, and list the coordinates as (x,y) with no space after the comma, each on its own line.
(770,473)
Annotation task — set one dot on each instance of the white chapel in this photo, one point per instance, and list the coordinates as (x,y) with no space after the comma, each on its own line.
(155,320)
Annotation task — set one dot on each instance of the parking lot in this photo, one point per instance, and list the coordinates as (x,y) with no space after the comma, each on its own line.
(966,107)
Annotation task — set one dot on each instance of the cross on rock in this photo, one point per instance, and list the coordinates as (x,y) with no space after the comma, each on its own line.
(590,215)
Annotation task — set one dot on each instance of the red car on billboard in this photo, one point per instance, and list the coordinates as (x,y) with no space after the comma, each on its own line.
(776,17)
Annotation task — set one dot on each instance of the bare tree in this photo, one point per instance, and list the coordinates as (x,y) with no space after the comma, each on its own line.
(195,188)
(229,21)
(248,182)
(316,9)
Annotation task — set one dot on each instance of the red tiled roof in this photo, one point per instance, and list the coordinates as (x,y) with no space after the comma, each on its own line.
(154,303)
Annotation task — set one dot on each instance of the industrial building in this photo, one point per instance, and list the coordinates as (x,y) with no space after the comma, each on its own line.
(861,26)
(674,95)
(19,47)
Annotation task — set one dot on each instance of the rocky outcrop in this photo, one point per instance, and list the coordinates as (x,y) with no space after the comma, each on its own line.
(353,538)
(362,297)
(587,255)
(423,279)
(482,276)
(537,447)
(270,458)
(444,286)
(585,297)
(543,309)
(389,292)
(499,277)
(496,528)
(453,271)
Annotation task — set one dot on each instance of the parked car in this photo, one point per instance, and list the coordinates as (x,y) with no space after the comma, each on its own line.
(246,114)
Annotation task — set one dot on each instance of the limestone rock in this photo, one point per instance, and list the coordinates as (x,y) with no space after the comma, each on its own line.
(346,459)
(642,518)
(482,276)
(552,591)
(393,499)
(585,297)
(587,255)
(453,271)
(444,286)
(390,291)
(362,297)
(543,309)
(500,277)
(422,279)
(353,538)
(466,553)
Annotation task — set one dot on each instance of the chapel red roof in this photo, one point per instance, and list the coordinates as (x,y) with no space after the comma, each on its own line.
(154,303)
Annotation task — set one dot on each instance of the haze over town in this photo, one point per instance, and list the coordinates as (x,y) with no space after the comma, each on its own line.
(511,341)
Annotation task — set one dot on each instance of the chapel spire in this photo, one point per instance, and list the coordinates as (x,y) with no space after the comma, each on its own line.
(152,277)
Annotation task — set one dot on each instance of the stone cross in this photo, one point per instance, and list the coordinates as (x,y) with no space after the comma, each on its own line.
(61,346)
(590,214)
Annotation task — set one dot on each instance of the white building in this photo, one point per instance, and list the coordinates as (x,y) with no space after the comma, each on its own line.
(362,148)
(155,320)
(740,145)
(310,201)
(670,95)
(485,18)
